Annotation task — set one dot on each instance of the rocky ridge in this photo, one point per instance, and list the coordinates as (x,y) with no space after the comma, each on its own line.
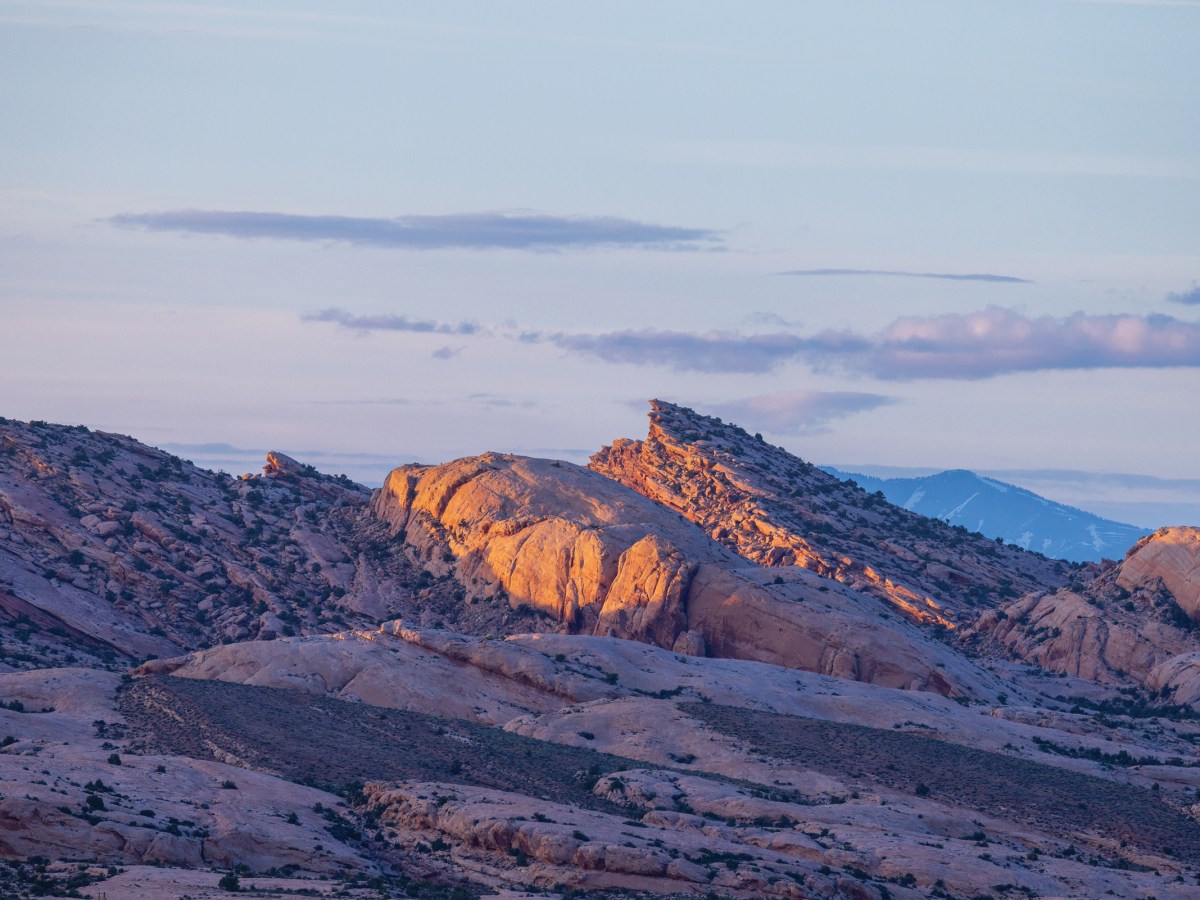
(997,509)
(778,510)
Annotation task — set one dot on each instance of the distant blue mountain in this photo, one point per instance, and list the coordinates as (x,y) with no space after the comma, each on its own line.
(996,509)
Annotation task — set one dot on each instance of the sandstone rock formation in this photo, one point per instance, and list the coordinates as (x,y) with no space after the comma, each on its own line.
(1135,622)
(601,559)
(777,510)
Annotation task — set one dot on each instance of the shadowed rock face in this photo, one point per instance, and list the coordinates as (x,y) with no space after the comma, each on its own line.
(1137,621)
(777,510)
(601,559)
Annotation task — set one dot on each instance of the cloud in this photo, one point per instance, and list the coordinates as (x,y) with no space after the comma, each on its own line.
(848,158)
(1190,297)
(391,323)
(796,412)
(1004,279)
(771,319)
(476,231)
(984,344)
(446,352)
(501,401)
(1184,4)
(994,341)
(715,351)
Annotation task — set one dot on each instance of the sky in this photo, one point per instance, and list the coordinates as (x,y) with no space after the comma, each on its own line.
(916,234)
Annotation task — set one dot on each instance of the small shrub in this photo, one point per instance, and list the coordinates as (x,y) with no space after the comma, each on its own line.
(229,882)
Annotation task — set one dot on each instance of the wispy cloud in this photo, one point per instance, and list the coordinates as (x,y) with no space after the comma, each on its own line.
(386,30)
(826,157)
(476,231)
(1004,279)
(994,341)
(1184,4)
(391,323)
(1191,297)
(502,401)
(796,412)
(715,351)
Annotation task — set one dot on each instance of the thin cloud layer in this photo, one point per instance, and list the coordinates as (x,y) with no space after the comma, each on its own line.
(1189,297)
(994,341)
(391,323)
(947,276)
(474,231)
(797,412)
(715,351)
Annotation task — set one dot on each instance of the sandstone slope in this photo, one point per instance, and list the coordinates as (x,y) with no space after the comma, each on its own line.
(560,684)
(901,808)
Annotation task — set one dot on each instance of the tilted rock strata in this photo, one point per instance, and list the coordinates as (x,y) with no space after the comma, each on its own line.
(777,510)
(601,559)
(1137,621)
(1169,558)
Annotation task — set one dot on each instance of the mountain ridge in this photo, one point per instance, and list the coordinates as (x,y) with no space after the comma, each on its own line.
(998,509)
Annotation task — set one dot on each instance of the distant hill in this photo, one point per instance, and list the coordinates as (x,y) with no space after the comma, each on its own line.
(996,509)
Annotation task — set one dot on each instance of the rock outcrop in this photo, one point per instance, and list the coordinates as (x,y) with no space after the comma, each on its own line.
(1135,622)
(599,558)
(778,510)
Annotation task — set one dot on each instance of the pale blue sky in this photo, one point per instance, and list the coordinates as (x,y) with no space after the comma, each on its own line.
(506,225)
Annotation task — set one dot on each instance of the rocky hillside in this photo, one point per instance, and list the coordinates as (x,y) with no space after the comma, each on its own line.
(999,510)
(112,551)
(778,510)
(1136,622)
(578,688)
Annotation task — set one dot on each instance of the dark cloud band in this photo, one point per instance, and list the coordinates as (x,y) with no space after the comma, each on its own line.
(947,276)
(1190,297)
(478,231)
